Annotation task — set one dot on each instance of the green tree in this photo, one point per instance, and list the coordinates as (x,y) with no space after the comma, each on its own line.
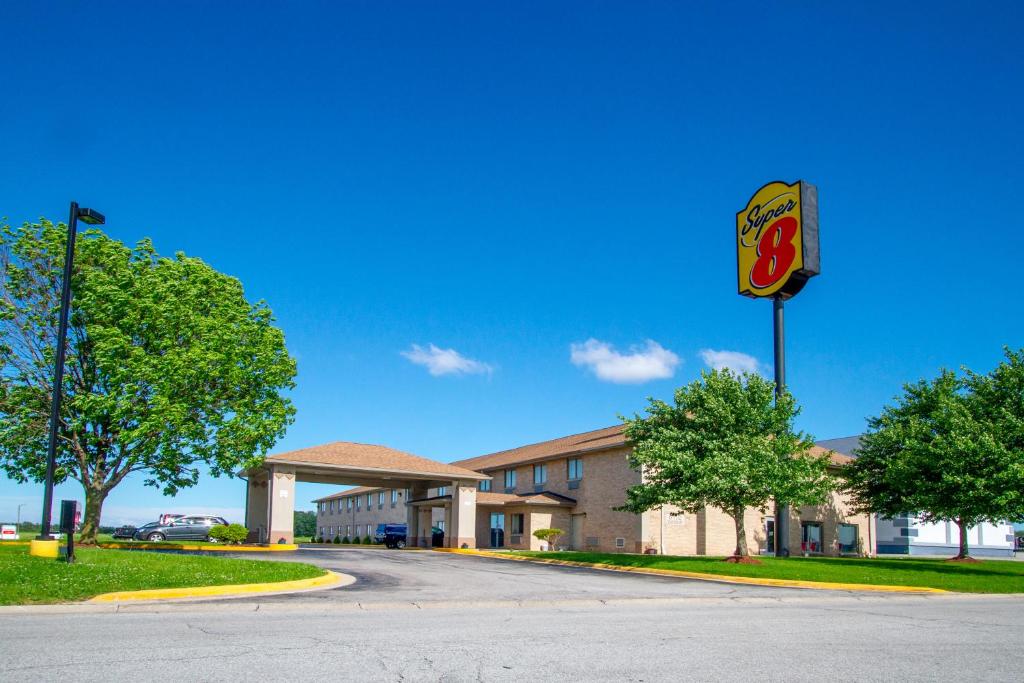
(727,443)
(550,536)
(305,523)
(168,366)
(949,449)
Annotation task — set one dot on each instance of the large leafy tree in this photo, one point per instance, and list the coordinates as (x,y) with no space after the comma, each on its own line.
(725,442)
(168,366)
(949,449)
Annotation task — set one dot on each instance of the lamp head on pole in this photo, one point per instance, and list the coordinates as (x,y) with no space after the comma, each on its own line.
(91,216)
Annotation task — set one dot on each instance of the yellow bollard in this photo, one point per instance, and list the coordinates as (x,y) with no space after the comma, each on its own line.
(40,548)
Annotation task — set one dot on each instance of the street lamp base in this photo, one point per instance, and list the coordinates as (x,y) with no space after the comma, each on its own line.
(44,548)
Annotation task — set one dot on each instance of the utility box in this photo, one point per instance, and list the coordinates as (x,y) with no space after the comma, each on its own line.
(70,516)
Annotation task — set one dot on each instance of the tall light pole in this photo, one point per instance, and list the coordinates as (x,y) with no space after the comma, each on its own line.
(90,217)
(17,524)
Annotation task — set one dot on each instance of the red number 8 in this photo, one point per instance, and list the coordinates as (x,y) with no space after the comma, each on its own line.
(775,253)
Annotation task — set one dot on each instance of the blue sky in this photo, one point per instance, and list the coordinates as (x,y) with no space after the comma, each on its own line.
(506,180)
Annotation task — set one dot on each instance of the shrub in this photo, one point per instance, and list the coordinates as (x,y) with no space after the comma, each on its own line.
(346,540)
(230,533)
(549,535)
(367,540)
(337,539)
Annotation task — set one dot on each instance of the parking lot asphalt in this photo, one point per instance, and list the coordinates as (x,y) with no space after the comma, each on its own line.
(421,616)
(425,577)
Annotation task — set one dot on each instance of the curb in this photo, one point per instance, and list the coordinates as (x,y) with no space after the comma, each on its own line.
(721,578)
(328,580)
(279,548)
(340,546)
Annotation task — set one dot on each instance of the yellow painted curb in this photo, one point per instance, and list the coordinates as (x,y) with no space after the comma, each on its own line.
(326,581)
(278,548)
(750,580)
(4,544)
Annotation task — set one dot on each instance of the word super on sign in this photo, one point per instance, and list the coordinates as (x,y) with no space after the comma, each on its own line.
(777,240)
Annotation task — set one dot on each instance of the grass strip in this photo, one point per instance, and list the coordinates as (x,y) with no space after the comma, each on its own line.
(990,576)
(26,580)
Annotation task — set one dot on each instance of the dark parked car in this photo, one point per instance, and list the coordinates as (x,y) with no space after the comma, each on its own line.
(126,531)
(395,536)
(190,528)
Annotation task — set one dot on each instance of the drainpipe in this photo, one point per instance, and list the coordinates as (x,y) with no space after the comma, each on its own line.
(270,500)
(662,549)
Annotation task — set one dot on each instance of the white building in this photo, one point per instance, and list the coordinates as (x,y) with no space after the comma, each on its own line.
(907,535)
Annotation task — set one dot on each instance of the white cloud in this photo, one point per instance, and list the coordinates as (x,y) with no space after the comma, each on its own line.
(641,364)
(445,361)
(733,360)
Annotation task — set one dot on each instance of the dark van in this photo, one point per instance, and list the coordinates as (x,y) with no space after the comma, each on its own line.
(395,536)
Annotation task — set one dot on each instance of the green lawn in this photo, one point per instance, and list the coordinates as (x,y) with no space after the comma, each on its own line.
(992,576)
(32,580)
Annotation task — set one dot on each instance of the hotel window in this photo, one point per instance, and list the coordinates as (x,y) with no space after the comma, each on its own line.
(380,499)
(485,485)
(540,474)
(348,504)
(348,529)
(369,501)
(518,522)
(322,532)
(510,479)
(810,537)
(847,538)
(357,502)
(575,469)
(442,490)
(394,497)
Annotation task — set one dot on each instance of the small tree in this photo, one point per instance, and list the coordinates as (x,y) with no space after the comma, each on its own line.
(549,535)
(950,449)
(727,443)
(367,540)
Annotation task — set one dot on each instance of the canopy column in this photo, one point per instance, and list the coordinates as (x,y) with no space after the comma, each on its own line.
(461,530)
(257,514)
(412,533)
(282,505)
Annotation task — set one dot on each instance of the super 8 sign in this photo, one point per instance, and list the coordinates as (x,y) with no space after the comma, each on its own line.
(777,240)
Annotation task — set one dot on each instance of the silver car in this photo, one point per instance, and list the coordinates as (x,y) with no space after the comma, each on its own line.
(189,528)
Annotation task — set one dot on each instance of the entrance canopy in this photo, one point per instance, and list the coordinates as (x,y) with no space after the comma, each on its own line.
(361,464)
(270,496)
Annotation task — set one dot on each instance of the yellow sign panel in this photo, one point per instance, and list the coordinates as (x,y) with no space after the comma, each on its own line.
(777,240)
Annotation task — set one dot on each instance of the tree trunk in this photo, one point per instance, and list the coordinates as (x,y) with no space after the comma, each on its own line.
(91,518)
(741,535)
(963,540)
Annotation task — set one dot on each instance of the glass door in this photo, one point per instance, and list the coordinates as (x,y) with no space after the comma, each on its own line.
(497,529)
(769,536)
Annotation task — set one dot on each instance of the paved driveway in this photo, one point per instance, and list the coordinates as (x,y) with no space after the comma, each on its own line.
(437,617)
(424,577)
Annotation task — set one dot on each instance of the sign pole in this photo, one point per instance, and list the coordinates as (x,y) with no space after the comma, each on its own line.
(779,325)
(58,375)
